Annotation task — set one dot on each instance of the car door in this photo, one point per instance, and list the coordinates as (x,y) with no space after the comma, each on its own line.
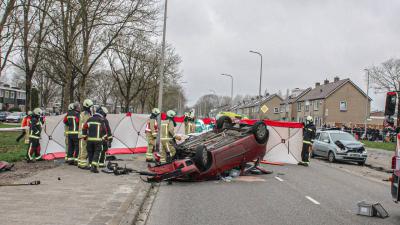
(316,144)
(324,143)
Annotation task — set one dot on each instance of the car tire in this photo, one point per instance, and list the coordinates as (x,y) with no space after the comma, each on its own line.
(260,132)
(202,158)
(224,122)
(362,163)
(331,157)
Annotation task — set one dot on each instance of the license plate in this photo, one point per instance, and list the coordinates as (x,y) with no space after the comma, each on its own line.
(355,155)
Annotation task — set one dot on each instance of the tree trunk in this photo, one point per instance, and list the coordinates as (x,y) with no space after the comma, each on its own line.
(28,88)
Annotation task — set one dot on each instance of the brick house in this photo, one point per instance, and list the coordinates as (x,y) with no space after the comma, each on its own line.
(334,103)
(11,97)
(287,111)
(250,108)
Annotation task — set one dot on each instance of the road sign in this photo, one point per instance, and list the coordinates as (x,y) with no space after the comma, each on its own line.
(264,108)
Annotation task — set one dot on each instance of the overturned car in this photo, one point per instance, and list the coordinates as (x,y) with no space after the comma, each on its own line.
(208,155)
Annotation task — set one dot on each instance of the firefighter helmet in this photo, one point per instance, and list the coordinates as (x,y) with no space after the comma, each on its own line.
(309,119)
(171,113)
(29,113)
(102,110)
(37,111)
(155,111)
(87,103)
(71,106)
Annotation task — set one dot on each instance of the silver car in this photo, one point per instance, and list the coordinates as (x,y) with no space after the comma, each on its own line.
(339,146)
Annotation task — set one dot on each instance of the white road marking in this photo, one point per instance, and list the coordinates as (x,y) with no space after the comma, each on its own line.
(280,179)
(312,200)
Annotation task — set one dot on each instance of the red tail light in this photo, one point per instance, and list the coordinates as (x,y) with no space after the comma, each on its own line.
(394,162)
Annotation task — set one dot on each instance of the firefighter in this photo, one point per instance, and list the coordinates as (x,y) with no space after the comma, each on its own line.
(71,121)
(83,117)
(309,131)
(35,129)
(95,132)
(189,123)
(70,107)
(107,142)
(167,136)
(151,134)
(25,125)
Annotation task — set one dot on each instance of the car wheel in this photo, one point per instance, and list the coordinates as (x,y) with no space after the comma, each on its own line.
(260,132)
(362,163)
(331,157)
(224,122)
(202,158)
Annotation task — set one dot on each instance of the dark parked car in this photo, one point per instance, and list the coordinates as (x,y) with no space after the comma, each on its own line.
(208,155)
(3,115)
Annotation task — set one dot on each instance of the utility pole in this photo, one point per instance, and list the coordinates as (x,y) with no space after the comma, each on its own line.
(228,75)
(161,82)
(259,88)
(366,105)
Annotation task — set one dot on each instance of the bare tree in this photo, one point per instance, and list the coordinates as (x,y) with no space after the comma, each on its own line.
(102,86)
(7,31)
(33,29)
(386,77)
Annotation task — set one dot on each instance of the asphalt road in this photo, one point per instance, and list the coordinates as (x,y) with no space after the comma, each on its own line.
(320,194)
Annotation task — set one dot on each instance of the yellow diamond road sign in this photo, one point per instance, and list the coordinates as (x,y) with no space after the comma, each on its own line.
(264,108)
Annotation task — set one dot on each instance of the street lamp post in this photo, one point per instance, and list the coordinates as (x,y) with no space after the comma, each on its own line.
(366,105)
(228,75)
(259,88)
(161,85)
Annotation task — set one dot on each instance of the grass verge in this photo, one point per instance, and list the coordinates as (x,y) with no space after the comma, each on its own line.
(10,150)
(389,146)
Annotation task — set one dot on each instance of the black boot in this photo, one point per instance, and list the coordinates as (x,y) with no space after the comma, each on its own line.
(94,170)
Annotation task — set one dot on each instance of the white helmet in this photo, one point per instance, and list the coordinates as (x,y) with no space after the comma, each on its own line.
(71,106)
(37,111)
(155,111)
(87,103)
(171,113)
(309,119)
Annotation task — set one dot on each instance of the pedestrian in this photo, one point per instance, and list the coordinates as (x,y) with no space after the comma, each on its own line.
(25,126)
(151,134)
(95,133)
(189,123)
(309,132)
(71,122)
(167,136)
(83,118)
(106,142)
(35,129)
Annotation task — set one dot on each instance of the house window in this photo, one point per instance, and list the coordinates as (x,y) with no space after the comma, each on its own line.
(299,107)
(343,106)
(276,110)
(6,94)
(1,93)
(12,95)
(306,108)
(282,109)
(316,105)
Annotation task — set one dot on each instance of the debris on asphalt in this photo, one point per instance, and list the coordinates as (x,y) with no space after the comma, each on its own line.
(5,166)
(371,210)
(36,182)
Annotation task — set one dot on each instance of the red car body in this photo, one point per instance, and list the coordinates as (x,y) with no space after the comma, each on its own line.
(243,149)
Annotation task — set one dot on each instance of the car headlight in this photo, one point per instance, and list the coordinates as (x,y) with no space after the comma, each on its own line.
(339,150)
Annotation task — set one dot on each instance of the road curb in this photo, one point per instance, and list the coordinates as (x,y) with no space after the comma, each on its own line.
(135,204)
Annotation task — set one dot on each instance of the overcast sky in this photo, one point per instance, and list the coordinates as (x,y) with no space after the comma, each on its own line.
(302,42)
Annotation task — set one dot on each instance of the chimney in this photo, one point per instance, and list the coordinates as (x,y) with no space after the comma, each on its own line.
(326,81)
(336,79)
(317,84)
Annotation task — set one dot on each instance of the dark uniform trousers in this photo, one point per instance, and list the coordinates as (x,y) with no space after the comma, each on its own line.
(73,146)
(94,149)
(33,149)
(305,152)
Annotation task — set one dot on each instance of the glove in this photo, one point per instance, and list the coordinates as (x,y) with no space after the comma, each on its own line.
(178,138)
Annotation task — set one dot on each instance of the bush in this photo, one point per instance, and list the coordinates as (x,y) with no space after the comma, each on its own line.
(15,109)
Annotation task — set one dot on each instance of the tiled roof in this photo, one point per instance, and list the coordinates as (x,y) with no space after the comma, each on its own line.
(323,91)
